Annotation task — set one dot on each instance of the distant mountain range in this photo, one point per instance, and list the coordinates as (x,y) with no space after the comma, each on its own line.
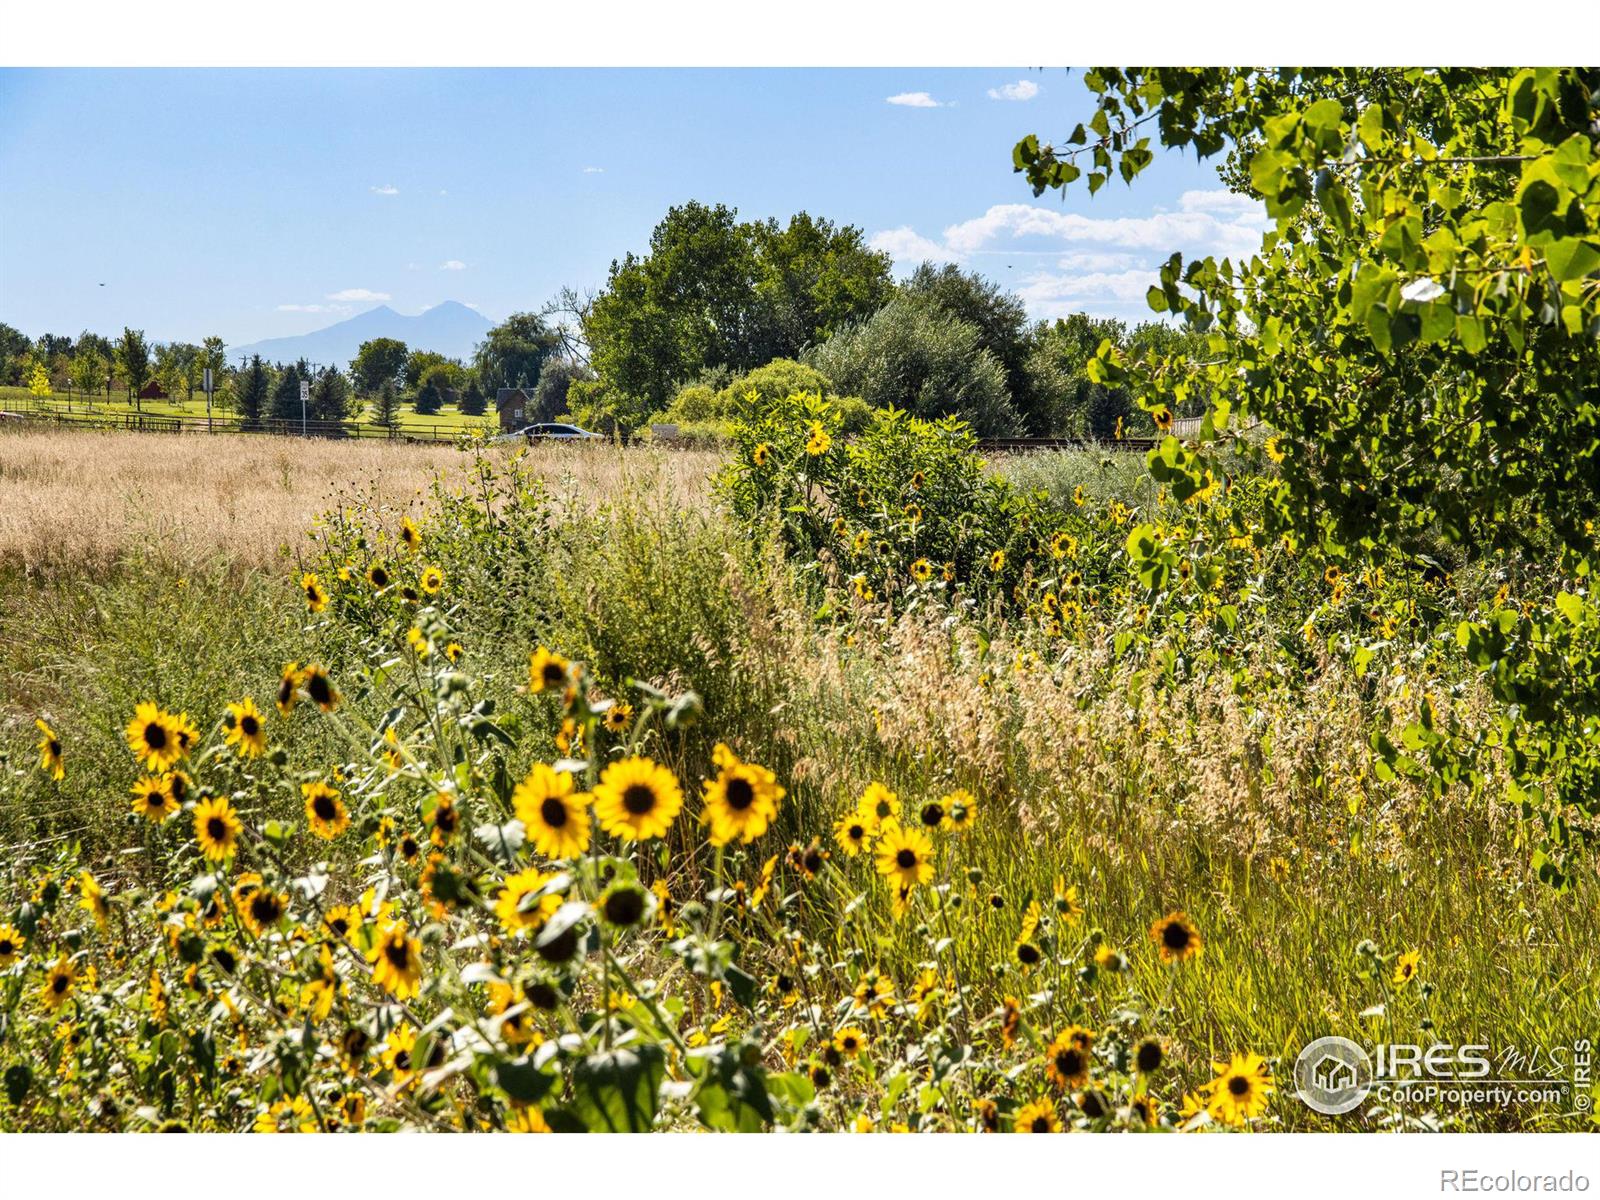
(451,329)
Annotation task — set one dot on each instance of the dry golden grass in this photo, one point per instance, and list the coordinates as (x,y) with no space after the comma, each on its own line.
(82,500)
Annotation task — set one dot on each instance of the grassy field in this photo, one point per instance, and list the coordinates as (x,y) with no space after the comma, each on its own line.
(145,568)
(19,399)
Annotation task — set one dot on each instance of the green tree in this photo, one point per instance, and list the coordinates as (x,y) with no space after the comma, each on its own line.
(713,292)
(1002,325)
(330,396)
(921,359)
(132,361)
(555,381)
(473,401)
(286,395)
(252,391)
(88,371)
(514,351)
(420,363)
(429,398)
(1419,330)
(13,345)
(377,362)
(213,357)
(39,383)
(386,408)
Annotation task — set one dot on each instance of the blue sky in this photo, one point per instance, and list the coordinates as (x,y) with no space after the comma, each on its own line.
(259,203)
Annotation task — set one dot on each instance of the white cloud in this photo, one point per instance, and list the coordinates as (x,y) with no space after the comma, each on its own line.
(915,100)
(906,245)
(1022,89)
(594,170)
(387,189)
(1096,264)
(314,308)
(452,264)
(358,294)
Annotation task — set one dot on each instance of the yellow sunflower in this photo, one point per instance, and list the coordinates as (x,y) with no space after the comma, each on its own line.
(152,800)
(378,576)
(850,1041)
(854,832)
(922,570)
(905,856)
(1037,1117)
(152,738)
(962,807)
(1067,1060)
(874,994)
(410,535)
(618,717)
(556,818)
(637,800)
(1405,967)
(288,689)
(245,728)
(997,562)
(818,442)
(262,909)
(11,943)
(396,959)
(50,759)
(325,811)
(319,687)
(59,981)
(760,454)
(878,803)
(522,902)
(548,672)
(398,1049)
(216,828)
(1240,1090)
(741,801)
(432,580)
(1176,937)
(316,597)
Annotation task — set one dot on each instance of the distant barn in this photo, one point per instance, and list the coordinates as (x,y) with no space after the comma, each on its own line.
(152,391)
(513,405)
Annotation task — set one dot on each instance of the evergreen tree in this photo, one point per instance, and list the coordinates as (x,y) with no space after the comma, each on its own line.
(428,399)
(252,390)
(473,401)
(330,396)
(286,397)
(387,407)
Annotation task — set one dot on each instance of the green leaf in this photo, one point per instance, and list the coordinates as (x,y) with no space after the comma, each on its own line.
(19,1078)
(522,1081)
(1571,258)
(618,1091)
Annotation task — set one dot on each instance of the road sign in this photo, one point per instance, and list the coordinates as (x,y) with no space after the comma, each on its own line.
(206,382)
(305,394)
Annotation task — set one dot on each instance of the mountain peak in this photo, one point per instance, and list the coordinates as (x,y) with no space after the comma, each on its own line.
(449,328)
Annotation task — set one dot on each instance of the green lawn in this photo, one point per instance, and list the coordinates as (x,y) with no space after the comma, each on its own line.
(19,399)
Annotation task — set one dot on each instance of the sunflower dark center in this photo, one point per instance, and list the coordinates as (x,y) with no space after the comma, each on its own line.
(54,748)
(740,794)
(639,799)
(444,818)
(553,812)
(1041,1125)
(932,815)
(339,926)
(1239,1086)
(857,832)
(402,1060)
(1175,936)
(905,859)
(7,947)
(1149,1057)
(554,675)
(379,576)
(249,725)
(317,688)
(155,736)
(325,807)
(264,907)
(216,829)
(624,907)
(398,955)
(285,690)
(1069,1062)
(59,984)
